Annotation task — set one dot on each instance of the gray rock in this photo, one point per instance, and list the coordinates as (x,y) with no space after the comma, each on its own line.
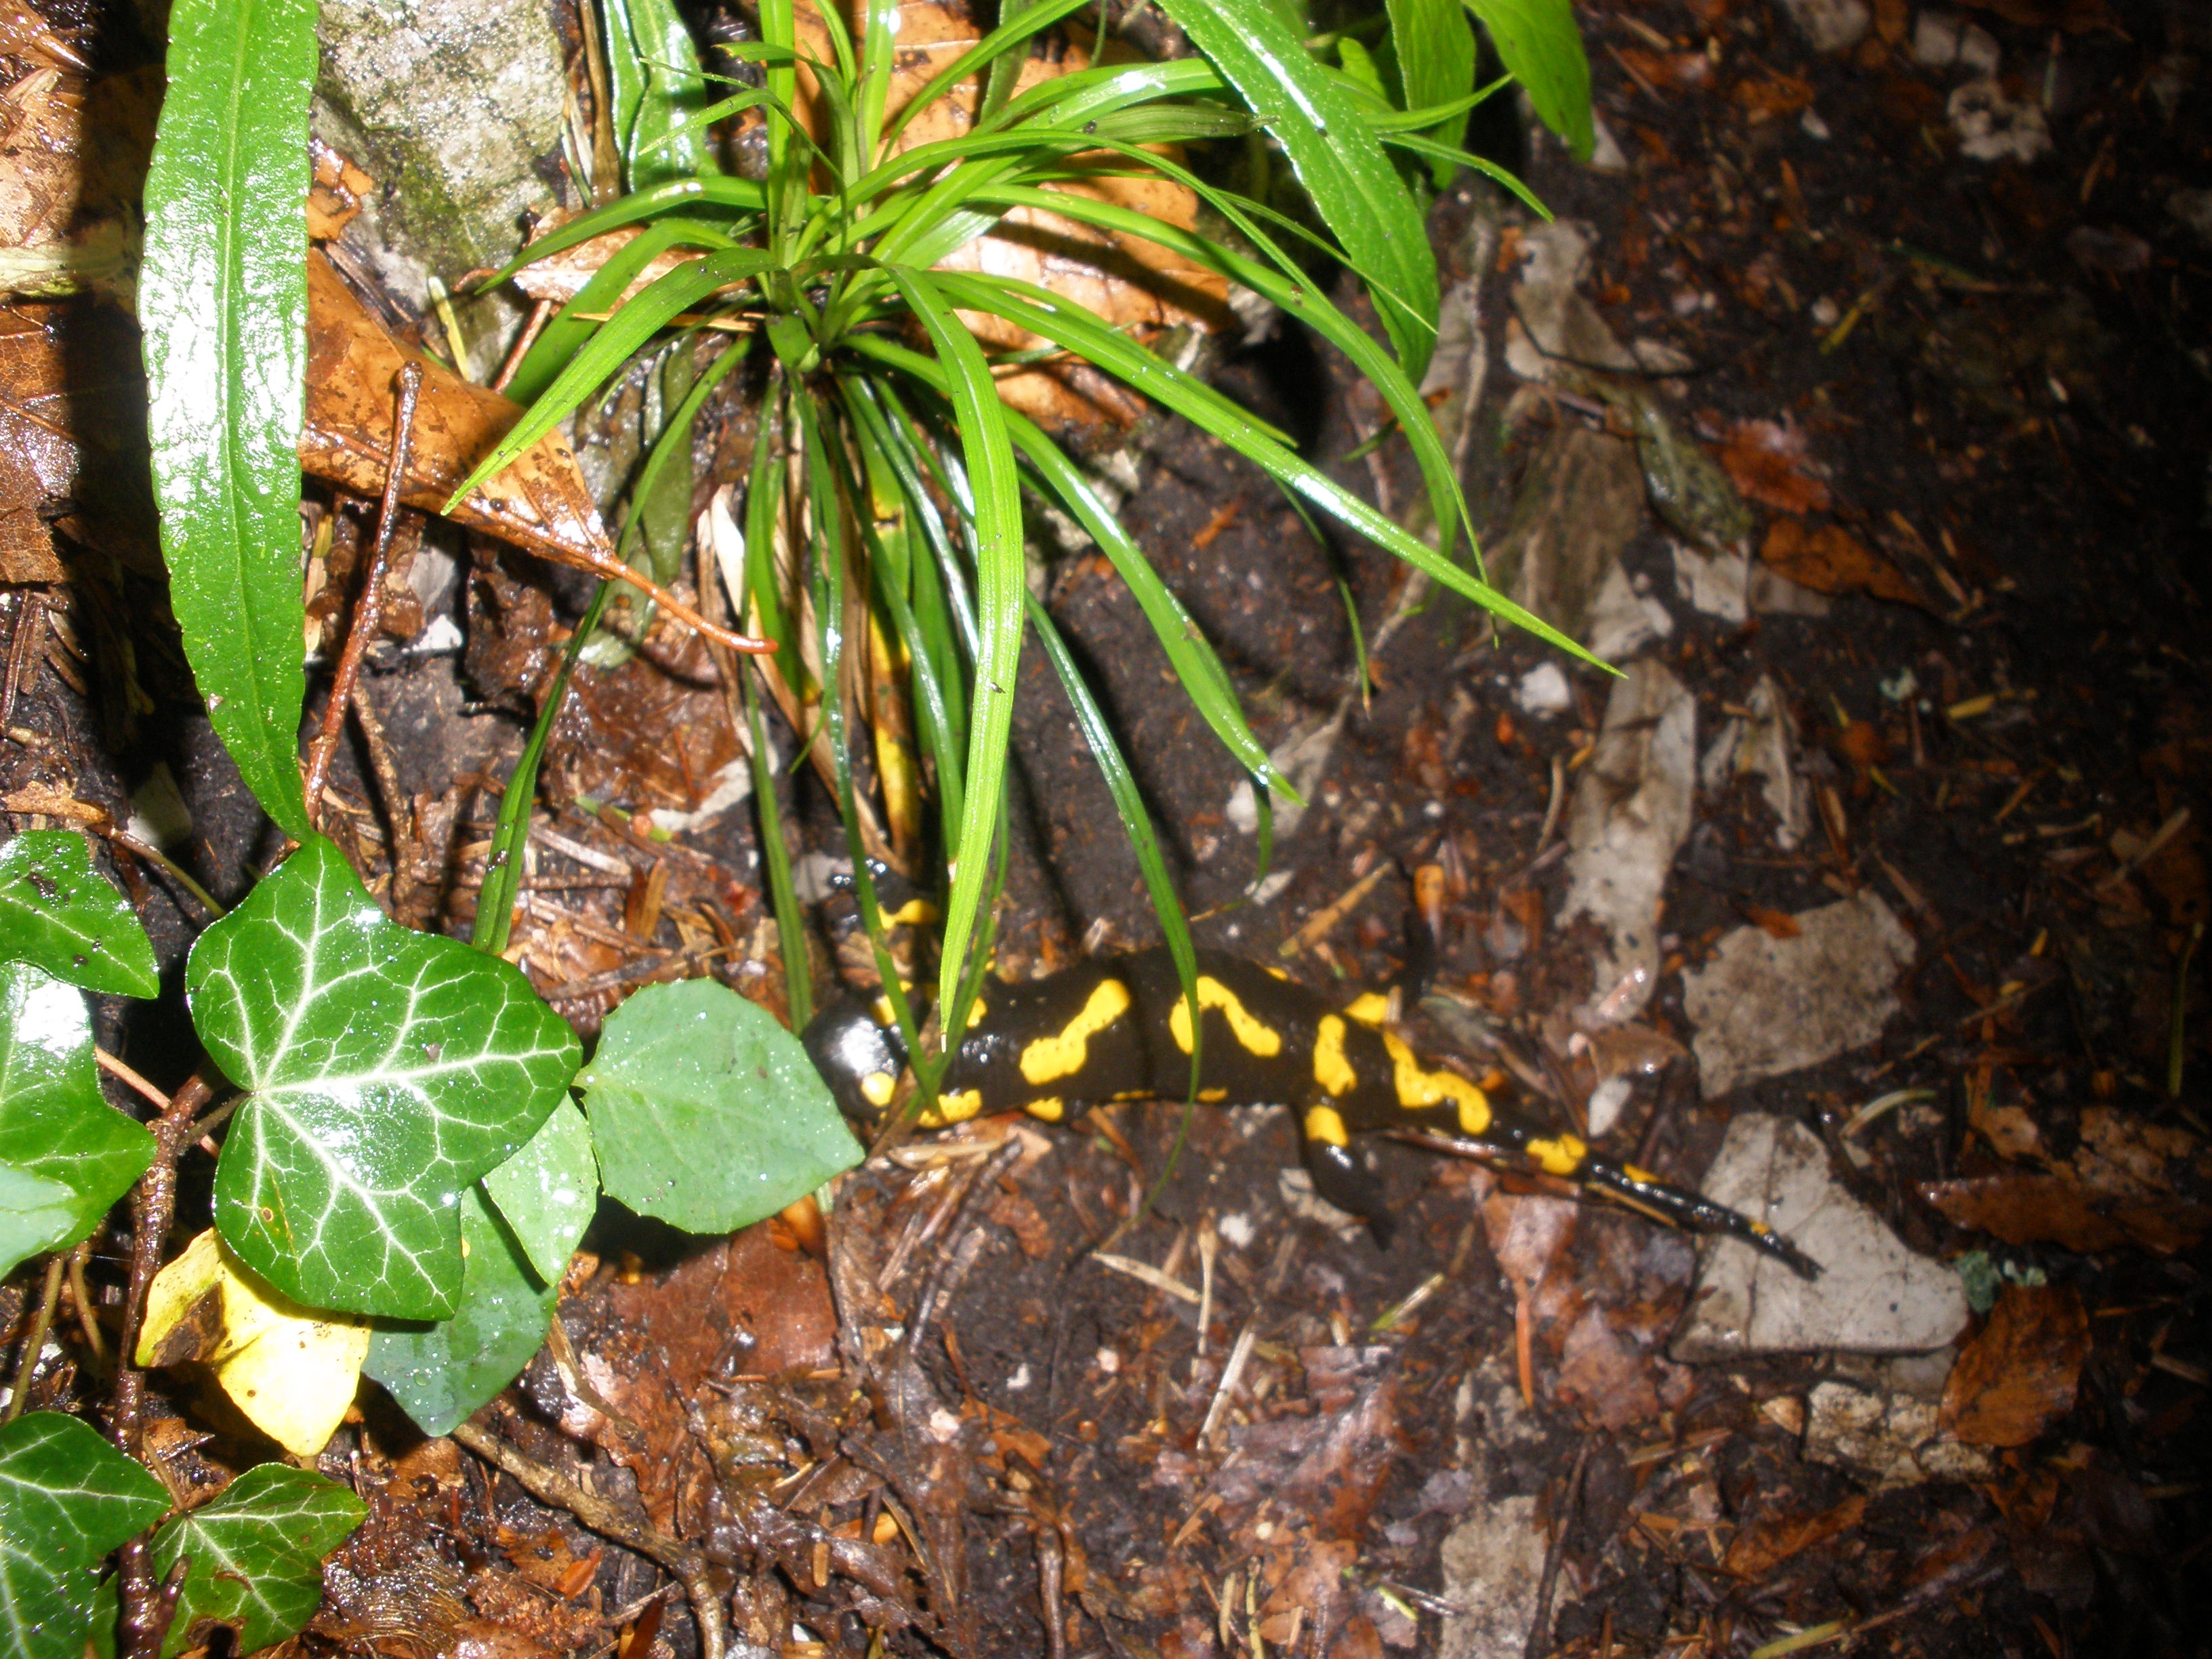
(1629,816)
(455,106)
(1936,40)
(1979,51)
(1874,1295)
(1830,25)
(1764,1005)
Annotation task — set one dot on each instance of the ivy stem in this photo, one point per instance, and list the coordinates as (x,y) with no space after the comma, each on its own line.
(146,1613)
(550,1485)
(368,608)
(34,1339)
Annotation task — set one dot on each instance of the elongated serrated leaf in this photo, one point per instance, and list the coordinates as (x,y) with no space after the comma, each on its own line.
(386,1070)
(441,1373)
(693,1065)
(254,1557)
(1539,45)
(65,1154)
(67,1497)
(56,911)
(547,1192)
(223,302)
(1358,193)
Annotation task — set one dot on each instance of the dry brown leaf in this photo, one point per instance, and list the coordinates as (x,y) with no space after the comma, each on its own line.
(556,278)
(1759,1548)
(2023,1207)
(72,161)
(540,502)
(1829,559)
(1771,96)
(72,414)
(2019,1375)
(1767,461)
(335,193)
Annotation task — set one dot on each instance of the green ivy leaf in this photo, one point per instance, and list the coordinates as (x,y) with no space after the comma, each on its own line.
(387,1070)
(67,1497)
(256,1557)
(56,911)
(65,1154)
(441,1373)
(1540,47)
(223,301)
(693,1065)
(548,1192)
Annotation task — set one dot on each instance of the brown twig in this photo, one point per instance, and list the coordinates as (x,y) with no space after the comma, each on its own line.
(368,609)
(540,315)
(1538,1643)
(152,1207)
(81,1295)
(34,1339)
(550,1486)
(30,630)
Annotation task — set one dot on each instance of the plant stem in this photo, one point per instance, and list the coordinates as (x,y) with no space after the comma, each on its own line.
(152,1207)
(368,609)
(34,1339)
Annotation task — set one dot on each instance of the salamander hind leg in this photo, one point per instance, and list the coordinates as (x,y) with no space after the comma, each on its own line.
(1340,1177)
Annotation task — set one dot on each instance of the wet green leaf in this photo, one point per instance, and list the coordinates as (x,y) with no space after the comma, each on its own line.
(387,1070)
(65,1154)
(548,1192)
(56,911)
(657,89)
(256,1557)
(1436,61)
(223,301)
(693,1066)
(441,1373)
(1539,45)
(67,1497)
(1337,158)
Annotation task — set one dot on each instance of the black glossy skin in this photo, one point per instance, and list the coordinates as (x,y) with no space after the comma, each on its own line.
(1106,1030)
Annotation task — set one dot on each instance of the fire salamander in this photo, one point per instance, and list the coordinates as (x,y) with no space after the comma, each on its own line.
(1120,1030)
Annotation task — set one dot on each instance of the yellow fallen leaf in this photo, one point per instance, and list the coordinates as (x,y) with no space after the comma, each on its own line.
(291,1369)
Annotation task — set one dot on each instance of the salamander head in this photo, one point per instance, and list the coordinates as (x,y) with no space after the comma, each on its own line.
(858,1058)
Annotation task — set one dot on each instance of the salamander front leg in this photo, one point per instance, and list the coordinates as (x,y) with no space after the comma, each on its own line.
(1343,1181)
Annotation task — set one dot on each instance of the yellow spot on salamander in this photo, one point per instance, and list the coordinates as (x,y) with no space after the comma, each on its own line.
(875,1088)
(1260,1039)
(1324,1125)
(1418,1088)
(1371,1009)
(915,913)
(956,1108)
(1065,1053)
(882,1013)
(1213,1096)
(1561,1157)
(1133,1094)
(1274,972)
(1331,1069)
(1637,1172)
(1051,1108)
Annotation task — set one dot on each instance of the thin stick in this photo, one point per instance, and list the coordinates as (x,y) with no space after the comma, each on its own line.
(1538,1643)
(83,1298)
(122,1074)
(161,860)
(34,1339)
(152,1207)
(540,315)
(550,1485)
(29,605)
(368,609)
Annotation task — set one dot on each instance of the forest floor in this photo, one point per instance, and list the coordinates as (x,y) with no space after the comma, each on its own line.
(1858,405)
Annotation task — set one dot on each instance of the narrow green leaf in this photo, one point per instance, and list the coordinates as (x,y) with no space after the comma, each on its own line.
(694,1065)
(657,89)
(989,453)
(254,1557)
(560,340)
(1356,192)
(548,1192)
(742,195)
(1449,155)
(56,912)
(1541,48)
(67,1497)
(1436,61)
(440,1373)
(686,286)
(65,1154)
(223,302)
(386,1070)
